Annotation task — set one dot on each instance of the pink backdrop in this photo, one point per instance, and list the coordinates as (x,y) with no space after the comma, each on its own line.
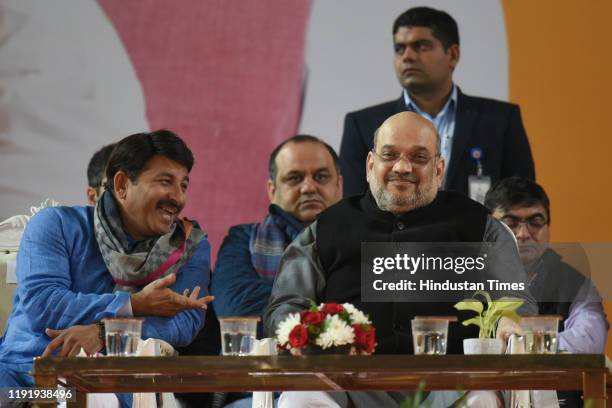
(227,76)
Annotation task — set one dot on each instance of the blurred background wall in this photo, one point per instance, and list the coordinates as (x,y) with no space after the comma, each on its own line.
(235,77)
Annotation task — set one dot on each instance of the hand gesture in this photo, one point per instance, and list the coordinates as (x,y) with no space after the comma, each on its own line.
(157,299)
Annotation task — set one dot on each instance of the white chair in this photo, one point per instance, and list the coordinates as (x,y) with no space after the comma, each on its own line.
(264,347)
(11,231)
(526,398)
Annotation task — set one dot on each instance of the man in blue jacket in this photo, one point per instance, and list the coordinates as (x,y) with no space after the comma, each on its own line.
(131,255)
(304,179)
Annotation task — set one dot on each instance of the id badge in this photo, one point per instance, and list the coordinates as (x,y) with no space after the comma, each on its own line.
(478,187)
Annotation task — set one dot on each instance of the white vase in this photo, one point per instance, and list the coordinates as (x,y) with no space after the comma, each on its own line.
(482,346)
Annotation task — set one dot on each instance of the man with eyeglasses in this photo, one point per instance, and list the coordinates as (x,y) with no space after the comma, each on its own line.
(524,207)
(403,204)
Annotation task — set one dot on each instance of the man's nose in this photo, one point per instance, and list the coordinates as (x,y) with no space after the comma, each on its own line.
(308,186)
(177,194)
(522,232)
(409,54)
(402,165)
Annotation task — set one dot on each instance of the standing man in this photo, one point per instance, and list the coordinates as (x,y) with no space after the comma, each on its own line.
(524,206)
(480,137)
(304,179)
(131,255)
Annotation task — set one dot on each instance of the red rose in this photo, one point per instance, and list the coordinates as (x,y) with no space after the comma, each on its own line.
(371,340)
(361,338)
(298,336)
(332,308)
(313,318)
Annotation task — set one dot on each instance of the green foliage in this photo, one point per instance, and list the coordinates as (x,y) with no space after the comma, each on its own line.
(345,316)
(487,318)
(416,399)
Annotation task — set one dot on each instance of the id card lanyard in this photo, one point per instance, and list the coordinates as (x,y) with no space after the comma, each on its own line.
(478,184)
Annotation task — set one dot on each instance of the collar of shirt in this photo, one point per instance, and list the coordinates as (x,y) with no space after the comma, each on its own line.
(449,106)
(444,122)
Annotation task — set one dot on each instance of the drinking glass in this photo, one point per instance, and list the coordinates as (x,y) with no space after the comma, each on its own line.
(540,333)
(238,335)
(429,335)
(122,336)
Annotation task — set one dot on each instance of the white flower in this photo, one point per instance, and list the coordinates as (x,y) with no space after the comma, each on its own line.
(285,327)
(337,333)
(324,340)
(356,315)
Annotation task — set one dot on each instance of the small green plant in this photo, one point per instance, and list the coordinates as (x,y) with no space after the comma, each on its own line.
(416,399)
(487,318)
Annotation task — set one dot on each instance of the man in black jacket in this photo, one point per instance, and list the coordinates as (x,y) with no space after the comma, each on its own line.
(479,136)
(403,204)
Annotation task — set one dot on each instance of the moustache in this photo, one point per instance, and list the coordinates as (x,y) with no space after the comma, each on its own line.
(169,204)
(410,177)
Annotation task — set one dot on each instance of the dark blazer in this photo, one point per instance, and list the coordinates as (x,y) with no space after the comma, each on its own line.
(495,127)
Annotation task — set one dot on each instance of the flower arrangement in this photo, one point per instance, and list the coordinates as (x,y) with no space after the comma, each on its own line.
(327,326)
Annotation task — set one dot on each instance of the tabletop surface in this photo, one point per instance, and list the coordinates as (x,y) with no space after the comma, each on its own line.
(321,372)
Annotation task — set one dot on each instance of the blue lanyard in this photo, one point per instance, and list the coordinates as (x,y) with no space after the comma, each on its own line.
(476,155)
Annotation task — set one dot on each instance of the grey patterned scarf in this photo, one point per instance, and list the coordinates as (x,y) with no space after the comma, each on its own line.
(150,259)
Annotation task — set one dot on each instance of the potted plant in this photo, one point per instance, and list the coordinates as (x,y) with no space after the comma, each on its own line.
(327,328)
(486,319)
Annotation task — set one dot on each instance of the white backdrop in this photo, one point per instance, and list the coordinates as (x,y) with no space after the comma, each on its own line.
(67,87)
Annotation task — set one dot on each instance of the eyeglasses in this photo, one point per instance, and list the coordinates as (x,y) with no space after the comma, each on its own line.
(420,159)
(534,223)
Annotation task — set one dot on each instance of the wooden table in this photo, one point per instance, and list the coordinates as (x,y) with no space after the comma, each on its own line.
(328,373)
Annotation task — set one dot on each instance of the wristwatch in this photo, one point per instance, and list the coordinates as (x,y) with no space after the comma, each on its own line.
(102,335)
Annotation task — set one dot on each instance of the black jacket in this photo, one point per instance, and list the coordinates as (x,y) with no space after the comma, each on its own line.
(495,127)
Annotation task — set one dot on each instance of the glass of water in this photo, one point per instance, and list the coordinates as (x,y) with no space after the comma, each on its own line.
(238,335)
(122,336)
(429,335)
(540,333)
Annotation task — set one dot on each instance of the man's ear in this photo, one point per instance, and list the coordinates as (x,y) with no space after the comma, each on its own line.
(369,165)
(454,52)
(440,164)
(498,213)
(92,195)
(120,182)
(271,190)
